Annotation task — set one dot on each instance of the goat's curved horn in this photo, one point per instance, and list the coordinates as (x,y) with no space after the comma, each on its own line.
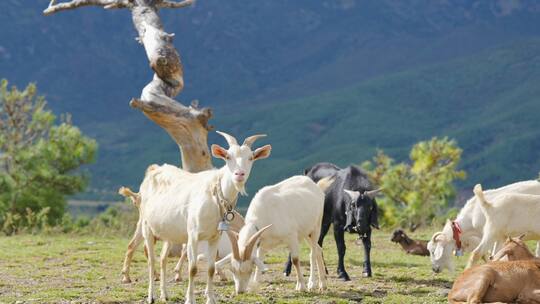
(436,235)
(233,237)
(522,236)
(229,138)
(251,243)
(371,194)
(250,140)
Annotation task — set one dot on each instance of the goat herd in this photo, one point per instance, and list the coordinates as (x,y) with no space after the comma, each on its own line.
(192,210)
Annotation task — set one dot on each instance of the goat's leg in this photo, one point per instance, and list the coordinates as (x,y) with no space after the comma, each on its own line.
(481,249)
(325,226)
(326,222)
(211,260)
(480,288)
(149,243)
(192,264)
(339,235)
(293,247)
(366,241)
(288,266)
(257,275)
(321,268)
(538,249)
(156,274)
(316,260)
(163,271)
(314,237)
(312,266)
(529,295)
(132,246)
(180,264)
(495,249)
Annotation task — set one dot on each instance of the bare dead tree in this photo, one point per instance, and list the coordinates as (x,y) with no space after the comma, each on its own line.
(187,125)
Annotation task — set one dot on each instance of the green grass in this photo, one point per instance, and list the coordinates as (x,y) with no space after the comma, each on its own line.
(82,269)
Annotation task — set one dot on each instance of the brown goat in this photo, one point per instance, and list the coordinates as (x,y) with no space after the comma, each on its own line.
(409,245)
(514,249)
(515,280)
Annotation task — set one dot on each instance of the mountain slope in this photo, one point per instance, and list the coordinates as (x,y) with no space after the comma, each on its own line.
(381,74)
(488,102)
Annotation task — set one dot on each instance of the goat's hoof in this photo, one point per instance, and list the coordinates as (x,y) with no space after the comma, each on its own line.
(163,298)
(344,276)
(150,300)
(177,278)
(126,280)
(300,287)
(366,274)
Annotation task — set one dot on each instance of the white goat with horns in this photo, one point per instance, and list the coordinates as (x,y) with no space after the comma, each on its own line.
(289,212)
(182,207)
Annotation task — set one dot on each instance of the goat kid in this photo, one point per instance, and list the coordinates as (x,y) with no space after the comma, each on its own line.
(182,207)
(409,245)
(514,249)
(288,212)
(500,281)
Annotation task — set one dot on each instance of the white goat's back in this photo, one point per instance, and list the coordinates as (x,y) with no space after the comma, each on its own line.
(472,208)
(167,193)
(293,205)
(513,213)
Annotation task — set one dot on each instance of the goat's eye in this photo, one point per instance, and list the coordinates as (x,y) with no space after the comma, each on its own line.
(251,158)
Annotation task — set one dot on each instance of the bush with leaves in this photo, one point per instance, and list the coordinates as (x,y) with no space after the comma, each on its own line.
(417,193)
(39,159)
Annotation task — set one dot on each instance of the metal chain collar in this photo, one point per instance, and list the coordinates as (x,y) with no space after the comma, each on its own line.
(225,206)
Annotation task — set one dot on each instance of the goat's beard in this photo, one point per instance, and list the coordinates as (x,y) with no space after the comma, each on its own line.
(241,188)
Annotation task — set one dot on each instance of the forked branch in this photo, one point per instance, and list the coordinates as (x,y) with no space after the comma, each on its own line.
(188,126)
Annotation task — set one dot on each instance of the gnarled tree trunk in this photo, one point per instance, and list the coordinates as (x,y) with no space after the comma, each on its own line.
(187,125)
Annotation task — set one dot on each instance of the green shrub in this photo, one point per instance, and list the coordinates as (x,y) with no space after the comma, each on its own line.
(39,161)
(417,193)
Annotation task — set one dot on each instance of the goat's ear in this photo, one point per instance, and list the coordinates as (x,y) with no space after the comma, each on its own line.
(521,237)
(374,219)
(262,152)
(438,252)
(260,264)
(219,152)
(224,261)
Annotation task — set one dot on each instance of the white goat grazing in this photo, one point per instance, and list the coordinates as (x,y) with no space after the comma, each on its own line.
(289,211)
(469,225)
(181,207)
(506,215)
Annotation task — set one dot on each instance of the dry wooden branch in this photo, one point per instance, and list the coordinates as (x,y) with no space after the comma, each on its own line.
(188,126)
(172,4)
(108,4)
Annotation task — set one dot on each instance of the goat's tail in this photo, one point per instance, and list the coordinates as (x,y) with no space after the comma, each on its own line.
(325,183)
(484,204)
(135,197)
